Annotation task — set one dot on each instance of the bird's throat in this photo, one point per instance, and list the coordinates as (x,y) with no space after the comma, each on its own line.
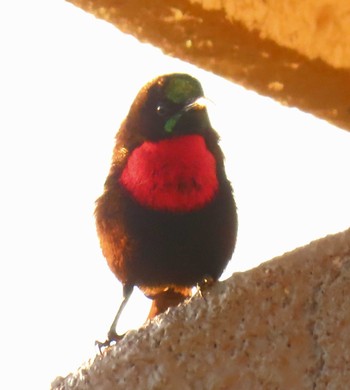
(176,174)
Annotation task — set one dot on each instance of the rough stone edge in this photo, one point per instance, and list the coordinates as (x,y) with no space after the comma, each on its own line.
(226,47)
(120,362)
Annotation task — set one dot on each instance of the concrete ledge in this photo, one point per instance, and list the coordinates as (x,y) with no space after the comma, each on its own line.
(314,28)
(295,52)
(283,325)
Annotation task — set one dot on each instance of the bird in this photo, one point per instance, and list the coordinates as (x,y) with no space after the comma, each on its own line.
(167,217)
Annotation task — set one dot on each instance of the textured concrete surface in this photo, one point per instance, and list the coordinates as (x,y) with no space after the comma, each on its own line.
(315,28)
(295,52)
(283,325)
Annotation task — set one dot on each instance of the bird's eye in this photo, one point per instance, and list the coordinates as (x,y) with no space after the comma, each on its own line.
(162,109)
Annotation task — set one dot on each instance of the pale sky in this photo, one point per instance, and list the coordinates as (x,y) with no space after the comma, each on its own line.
(66,82)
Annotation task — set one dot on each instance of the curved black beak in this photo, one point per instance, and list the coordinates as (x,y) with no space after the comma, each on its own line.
(193,104)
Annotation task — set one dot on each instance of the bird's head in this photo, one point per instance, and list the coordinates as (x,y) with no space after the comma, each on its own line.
(168,106)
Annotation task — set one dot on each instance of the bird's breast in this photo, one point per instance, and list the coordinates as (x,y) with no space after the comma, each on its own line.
(176,174)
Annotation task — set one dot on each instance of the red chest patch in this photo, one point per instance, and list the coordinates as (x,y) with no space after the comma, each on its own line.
(176,174)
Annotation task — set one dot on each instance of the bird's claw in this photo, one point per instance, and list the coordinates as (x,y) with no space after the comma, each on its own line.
(204,284)
(112,338)
(101,345)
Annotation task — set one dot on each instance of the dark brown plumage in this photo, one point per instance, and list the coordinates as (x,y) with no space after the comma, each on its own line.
(167,218)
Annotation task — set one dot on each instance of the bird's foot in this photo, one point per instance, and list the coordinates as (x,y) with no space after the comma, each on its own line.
(204,284)
(112,338)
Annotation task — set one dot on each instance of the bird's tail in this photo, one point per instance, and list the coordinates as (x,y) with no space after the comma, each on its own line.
(168,298)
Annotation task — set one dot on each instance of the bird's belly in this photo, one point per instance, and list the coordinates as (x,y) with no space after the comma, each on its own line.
(179,248)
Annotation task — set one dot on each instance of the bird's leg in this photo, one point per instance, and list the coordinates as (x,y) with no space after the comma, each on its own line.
(112,333)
